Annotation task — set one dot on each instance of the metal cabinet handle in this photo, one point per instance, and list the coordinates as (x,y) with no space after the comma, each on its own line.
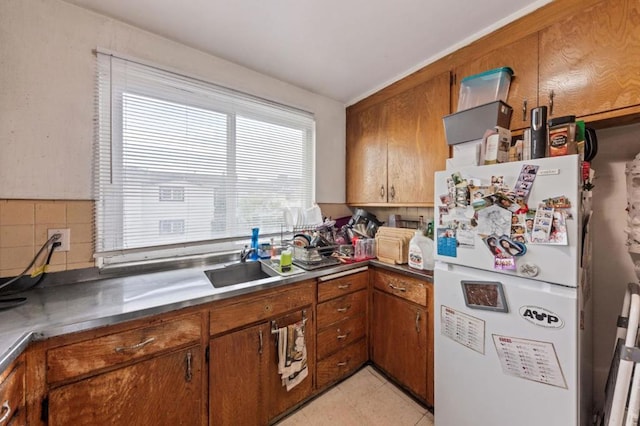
(122,349)
(392,192)
(6,411)
(343,336)
(382,191)
(418,322)
(342,363)
(397,288)
(345,309)
(524,110)
(260,339)
(551,95)
(344,286)
(189,374)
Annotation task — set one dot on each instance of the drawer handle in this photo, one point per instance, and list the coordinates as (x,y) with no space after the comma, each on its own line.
(189,373)
(343,363)
(345,309)
(123,349)
(343,336)
(344,286)
(393,287)
(6,411)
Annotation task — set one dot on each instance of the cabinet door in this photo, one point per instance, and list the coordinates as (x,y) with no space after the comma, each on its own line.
(236,371)
(522,57)
(279,400)
(591,61)
(366,153)
(163,390)
(416,141)
(399,341)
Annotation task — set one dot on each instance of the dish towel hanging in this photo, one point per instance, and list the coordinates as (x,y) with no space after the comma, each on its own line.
(292,354)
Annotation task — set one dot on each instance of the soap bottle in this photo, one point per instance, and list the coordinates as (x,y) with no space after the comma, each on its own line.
(254,243)
(421,252)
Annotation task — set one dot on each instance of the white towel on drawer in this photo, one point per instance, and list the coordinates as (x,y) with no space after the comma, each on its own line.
(292,354)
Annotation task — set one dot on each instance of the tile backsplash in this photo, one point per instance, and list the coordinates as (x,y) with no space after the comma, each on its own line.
(23,230)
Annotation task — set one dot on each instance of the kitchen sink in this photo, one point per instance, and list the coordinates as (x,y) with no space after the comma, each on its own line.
(236,273)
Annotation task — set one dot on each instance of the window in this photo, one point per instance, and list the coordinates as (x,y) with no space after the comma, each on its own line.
(182,163)
(168,193)
(172,226)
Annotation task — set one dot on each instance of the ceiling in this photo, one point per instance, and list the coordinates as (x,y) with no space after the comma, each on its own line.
(342,49)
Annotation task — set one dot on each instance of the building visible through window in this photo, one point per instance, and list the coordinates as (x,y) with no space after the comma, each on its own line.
(171,226)
(171,193)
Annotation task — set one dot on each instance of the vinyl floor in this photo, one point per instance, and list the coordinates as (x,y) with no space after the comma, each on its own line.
(366,398)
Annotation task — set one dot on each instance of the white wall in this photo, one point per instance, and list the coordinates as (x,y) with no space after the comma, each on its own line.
(612,265)
(47,97)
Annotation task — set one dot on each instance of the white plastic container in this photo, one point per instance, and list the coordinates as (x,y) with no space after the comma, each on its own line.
(421,252)
(480,89)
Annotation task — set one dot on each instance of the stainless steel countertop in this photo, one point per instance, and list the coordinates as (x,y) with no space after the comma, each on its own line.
(63,309)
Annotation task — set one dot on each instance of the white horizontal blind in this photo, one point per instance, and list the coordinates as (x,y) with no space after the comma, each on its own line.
(181,161)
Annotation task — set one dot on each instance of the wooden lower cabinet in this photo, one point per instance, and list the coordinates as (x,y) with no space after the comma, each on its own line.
(245,387)
(342,363)
(402,330)
(156,370)
(165,390)
(399,341)
(342,326)
(149,371)
(12,394)
(236,370)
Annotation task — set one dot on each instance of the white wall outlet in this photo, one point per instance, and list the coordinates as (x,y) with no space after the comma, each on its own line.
(65,240)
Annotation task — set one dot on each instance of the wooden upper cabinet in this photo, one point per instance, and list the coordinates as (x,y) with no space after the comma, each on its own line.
(591,61)
(416,142)
(395,146)
(522,57)
(366,157)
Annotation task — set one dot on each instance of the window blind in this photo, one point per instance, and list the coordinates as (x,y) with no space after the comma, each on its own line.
(180,162)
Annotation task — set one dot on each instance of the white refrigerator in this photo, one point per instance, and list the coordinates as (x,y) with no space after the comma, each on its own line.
(512,325)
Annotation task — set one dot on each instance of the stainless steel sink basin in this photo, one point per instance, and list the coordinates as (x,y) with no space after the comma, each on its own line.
(236,273)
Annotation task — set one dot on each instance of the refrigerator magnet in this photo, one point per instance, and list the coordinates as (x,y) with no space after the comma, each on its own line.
(485,295)
(447,244)
(511,247)
(504,263)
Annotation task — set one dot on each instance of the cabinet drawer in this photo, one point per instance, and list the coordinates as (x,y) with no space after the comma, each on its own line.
(78,359)
(12,394)
(330,289)
(228,317)
(335,310)
(341,335)
(412,289)
(341,363)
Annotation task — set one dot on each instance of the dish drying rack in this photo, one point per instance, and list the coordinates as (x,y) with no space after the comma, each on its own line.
(312,255)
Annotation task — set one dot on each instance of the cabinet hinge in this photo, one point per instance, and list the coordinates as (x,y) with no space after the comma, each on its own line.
(206,355)
(44,411)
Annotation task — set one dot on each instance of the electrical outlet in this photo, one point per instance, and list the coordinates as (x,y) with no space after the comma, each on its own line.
(65,239)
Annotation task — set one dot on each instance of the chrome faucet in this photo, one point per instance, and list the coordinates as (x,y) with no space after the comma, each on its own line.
(245,253)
